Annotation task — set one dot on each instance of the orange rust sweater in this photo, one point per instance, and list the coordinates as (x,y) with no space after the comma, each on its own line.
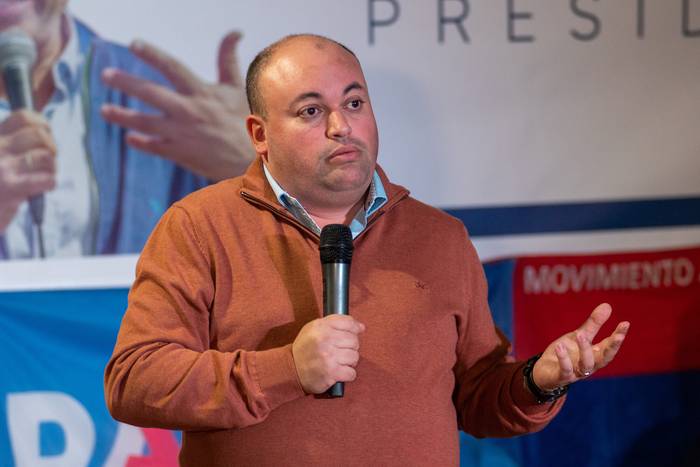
(227,280)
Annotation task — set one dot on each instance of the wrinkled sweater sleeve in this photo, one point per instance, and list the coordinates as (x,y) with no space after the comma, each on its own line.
(490,393)
(162,372)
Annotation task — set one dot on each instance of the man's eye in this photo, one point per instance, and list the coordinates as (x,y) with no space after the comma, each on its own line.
(355,104)
(309,112)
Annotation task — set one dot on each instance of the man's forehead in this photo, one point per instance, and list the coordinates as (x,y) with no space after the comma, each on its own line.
(308,62)
(311,44)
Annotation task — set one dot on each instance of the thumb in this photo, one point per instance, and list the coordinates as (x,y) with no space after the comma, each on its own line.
(229,72)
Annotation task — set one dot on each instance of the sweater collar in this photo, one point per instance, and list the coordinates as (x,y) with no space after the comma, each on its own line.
(255,185)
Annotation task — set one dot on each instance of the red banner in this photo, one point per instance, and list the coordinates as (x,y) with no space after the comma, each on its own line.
(658,292)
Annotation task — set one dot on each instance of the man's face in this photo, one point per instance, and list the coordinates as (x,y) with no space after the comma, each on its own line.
(320,134)
(31,16)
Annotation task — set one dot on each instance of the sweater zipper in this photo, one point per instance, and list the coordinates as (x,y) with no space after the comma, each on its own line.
(383,210)
(278,211)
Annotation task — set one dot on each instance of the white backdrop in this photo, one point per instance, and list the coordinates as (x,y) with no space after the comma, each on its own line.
(542,117)
(547,102)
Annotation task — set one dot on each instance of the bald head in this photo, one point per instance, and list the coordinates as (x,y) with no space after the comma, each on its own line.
(266,56)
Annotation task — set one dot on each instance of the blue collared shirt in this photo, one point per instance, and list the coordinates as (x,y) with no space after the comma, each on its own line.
(375,199)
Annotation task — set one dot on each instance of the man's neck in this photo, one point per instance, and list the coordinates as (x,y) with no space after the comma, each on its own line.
(346,205)
(48,53)
(324,217)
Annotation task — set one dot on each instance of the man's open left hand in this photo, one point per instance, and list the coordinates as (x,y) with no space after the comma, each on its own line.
(574,356)
(201,126)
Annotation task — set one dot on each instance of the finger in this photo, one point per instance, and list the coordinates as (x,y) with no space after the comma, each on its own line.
(29,138)
(19,119)
(566,367)
(177,73)
(36,183)
(595,321)
(347,357)
(154,94)
(586,360)
(607,349)
(158,146)
(29,184)
(21,179)
(345,323)
(345,340)
(33,161)
(135,120)
(229,71)
(345,373)
(148,143)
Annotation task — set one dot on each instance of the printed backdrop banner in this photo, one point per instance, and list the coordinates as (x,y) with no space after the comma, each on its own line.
(563,134)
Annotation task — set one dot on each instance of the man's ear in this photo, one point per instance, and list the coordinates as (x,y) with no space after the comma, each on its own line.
(258,134)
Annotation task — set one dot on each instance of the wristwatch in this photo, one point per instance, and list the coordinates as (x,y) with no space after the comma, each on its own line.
(541,396)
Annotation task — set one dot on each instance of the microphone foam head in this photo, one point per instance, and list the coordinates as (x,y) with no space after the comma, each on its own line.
(16,47)
(336,244)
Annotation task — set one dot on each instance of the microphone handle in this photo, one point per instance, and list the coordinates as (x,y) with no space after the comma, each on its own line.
(17,86)
(336,286)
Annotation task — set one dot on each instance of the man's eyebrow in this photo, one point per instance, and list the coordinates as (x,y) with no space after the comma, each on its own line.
(352,86)
(304,96)
(316,95)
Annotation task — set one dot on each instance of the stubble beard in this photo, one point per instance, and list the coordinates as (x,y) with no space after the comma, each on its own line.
(347,176)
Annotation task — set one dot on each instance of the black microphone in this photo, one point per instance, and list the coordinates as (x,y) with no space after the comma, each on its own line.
(17,56)
(336,254)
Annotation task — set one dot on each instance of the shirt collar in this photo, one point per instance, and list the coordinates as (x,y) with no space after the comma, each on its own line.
(376,197)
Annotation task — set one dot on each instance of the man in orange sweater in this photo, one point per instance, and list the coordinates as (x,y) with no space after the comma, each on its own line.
(224,337)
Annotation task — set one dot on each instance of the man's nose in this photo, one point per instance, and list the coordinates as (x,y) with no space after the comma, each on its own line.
(338,126)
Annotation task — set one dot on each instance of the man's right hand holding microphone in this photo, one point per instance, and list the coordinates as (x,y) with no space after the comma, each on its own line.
(27,161)
(326,351)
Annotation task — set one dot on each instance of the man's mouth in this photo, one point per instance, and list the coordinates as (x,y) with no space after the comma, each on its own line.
(344,153)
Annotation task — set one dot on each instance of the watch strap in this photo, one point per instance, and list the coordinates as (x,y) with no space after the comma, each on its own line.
(541,396)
